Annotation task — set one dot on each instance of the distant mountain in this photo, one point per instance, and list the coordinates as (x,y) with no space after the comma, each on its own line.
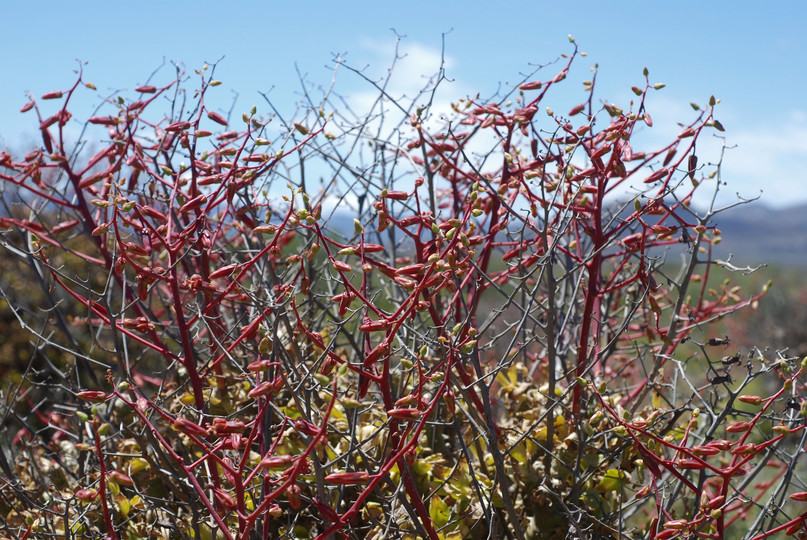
(756,234)
(752,234)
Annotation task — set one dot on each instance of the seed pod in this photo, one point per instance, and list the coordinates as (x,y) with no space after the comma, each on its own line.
(375,355)
(222,426)
(266,388)
(744,449)
(262,365)
(224,498)
(405,413)
(577,109)
(705,451)
(142,288)
(532,85)
(122,479)
(223,271)
(374,326)
(751,400)
(348,478)
(92,396)
(693,164)
(794,528)
(178,126)
(410,270)
(194,203)
(738,427)
(677,524)
(293,495)
(216,117)
(397,195)
(691,464)
(658,175)
(372,248)
(189,428)
(86,495)
(49,122)
(276,462)
(306,428)
(325,510)
(450,401)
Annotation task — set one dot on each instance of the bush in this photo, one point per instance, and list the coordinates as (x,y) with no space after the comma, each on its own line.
(375,325)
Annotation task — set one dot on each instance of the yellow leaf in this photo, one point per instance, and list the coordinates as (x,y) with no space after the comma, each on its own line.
(439,512)
(519,453)
(138,464)
(613,480)
(123,504)
(658,400)
(508,379)
(114,489)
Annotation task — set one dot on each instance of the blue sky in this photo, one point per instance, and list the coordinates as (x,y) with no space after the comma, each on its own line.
(752,58)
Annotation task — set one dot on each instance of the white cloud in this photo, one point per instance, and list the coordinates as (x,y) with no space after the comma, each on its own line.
(770,156)
(765,155)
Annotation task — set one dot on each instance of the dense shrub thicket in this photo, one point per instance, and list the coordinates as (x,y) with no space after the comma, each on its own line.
(389,324)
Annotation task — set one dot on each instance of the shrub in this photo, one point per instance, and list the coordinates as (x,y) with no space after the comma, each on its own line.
(460,332)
